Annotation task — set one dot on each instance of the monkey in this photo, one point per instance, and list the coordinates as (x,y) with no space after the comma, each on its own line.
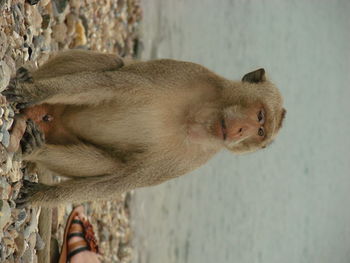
(111,126)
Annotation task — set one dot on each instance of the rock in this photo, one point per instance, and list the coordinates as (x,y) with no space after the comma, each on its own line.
(33,224)
(13,233)
(15,175)
(8,123)
(40,244)
(34,19)
(47,39)
(75,4)
(44,3)
(12,204)
(1,112)
(21,245)
(5,214)
(9,243)
(6,167)
(124,252)
(32,2)
(59,32)
(71,20)
(46,21)
(5,74)
(11,113)
(5,188)
(60,5)
(3,158)
(28,256)
(32,240)
(15,190)
(80,37)
(10,63)
(2,3)
(6,138)
(3,44)
(20,218)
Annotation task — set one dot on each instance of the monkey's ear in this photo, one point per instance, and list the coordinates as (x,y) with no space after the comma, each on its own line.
(255,76)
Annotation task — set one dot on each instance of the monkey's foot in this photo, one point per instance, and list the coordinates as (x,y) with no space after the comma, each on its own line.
(15,91)
(28,192)
(23,75)
(32,139)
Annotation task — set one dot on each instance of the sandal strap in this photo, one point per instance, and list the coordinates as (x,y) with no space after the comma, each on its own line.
(77,234)
(78,244)
(76,228)
(74,252)
(77,221)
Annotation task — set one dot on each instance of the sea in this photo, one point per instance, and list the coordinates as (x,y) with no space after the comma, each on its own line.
(289,203)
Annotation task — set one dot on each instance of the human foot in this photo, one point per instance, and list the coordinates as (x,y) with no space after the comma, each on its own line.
(79,240)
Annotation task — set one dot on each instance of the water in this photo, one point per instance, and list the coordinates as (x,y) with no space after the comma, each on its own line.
(290,202)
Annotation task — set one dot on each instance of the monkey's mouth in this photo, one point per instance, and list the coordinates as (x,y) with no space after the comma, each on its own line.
(223,129)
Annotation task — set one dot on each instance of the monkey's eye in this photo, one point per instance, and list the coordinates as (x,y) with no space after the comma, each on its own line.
(261,131)
(261,117)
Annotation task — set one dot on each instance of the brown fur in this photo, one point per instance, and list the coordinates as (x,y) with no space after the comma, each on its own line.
(116,127)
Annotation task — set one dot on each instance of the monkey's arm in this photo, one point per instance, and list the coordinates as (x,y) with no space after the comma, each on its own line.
(95,87)
(74,61)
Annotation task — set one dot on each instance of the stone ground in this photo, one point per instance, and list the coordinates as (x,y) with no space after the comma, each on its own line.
(29,32)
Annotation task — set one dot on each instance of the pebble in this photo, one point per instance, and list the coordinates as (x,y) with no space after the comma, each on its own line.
(21,245)
(60,5)
(3,44)
(32,240)
(28,255)
(80,37)
(59,32)
(5,74)
(5,213)
(30,228)
(6,138)
(71,20)
(46,21)
(40,244)
(20,218)
(34,19)
(15,190)
(5,188)
(33,2)
(9,244)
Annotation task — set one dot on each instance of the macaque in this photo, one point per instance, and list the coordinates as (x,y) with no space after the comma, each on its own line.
(112,126)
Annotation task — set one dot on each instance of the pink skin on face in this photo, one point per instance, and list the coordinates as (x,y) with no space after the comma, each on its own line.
(236,129)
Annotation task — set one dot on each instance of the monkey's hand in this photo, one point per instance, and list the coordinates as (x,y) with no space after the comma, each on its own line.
(29,191)
(32,139)
(16,91)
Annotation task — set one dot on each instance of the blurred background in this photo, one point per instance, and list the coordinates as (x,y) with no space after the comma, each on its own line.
(290,202)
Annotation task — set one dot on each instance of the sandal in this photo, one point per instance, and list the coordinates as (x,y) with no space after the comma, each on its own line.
(77,228)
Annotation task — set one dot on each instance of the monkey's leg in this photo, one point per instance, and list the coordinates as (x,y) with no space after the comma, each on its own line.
(74,61)
(77,190)
(79,160)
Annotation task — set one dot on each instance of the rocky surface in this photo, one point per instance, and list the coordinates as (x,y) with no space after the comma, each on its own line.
(30,31)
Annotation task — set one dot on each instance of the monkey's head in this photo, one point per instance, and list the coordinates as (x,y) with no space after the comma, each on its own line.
(253,113)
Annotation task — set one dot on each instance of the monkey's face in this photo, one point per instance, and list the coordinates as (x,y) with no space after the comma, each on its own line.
(253,114)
